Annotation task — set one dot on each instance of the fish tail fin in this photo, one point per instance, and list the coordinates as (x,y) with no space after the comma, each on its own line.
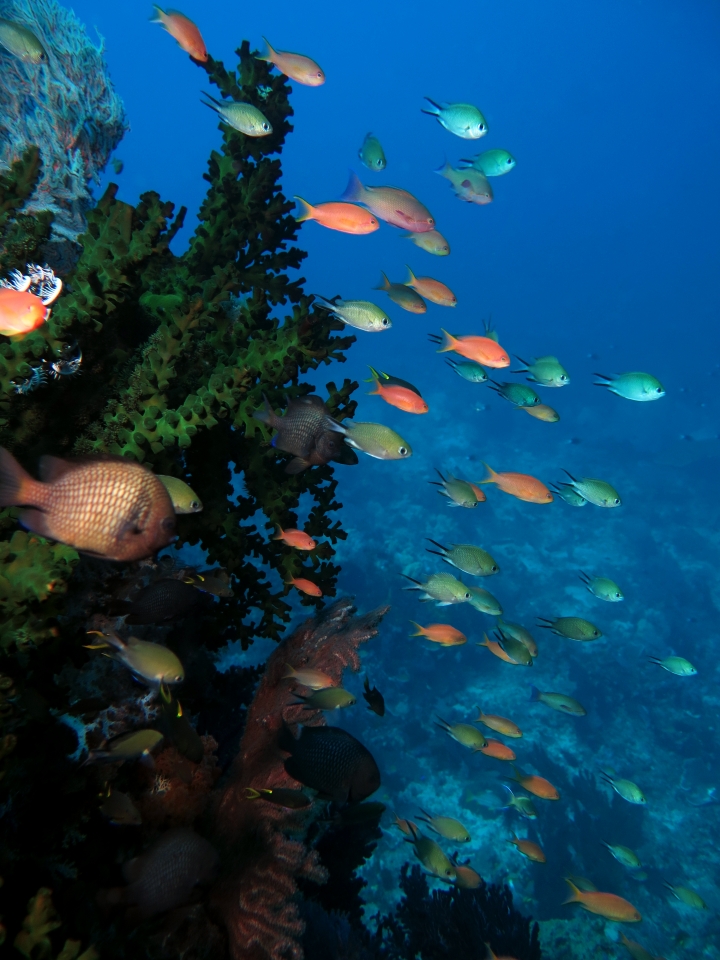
(448,342)
(376,380)
(278,532)
(569,475)
(267,415)
(354,191)
(432,113)
(17,487)
(516,773)
(290,672)
(534,693)
(307,210)
(384,283)
(269,55)
(251,793)
(420,631)
(445,168)
(574,893)
(492,475)
(485,642)
(158,15)
(412,278)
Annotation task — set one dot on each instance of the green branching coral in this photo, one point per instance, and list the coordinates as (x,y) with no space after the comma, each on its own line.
(172,378)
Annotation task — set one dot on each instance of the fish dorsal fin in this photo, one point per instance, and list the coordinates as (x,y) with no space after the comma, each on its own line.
(52,468)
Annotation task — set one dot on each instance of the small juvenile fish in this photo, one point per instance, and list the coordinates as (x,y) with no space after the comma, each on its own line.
(602,588)
(431,856)
(295,538)
(391,204)
(374,699)
(403,296)
(499,724)
(120,810)
(376,440)
(567,493)
(483,601)
(469,185)
(494,647)
(336,215)
(517,393)
(523,805)
(295,65)
(431,241)
(361,314)
(597,492)
(21,42)
(151,662)
(498,751)
(514,648)
(305,586)
(624,855)
(633,386)
(243,117)
(182,29)
(465,734)
(574,628)
(528,849)
(128,746)
(537,786)
(493,163)
(330,698)
(468,370)
(541,411)
(466,557)
(460,493)
(280,796)
(315,679)
(372,154)
(607,905)
(482,350)
(462,119)
(676,665)
(519,485)
(432,290)
(443,588)
(547,371)
(184,499)
(687,896)
(626,789)
(519,633)
(447,827)
(559,702)
(441,633)
(398,393)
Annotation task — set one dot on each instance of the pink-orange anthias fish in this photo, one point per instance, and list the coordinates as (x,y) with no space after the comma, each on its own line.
(182,29)
(432,290)
(482,350)
(20,312)
(295,538)
(336,215)
(520,485)
(493,748)
(537,786)
(295,65)
(112,508)
(528,849)
(607,905)
(391,204)
(305,586)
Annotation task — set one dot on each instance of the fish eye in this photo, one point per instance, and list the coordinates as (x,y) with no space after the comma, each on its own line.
(385,321)
(266,126)
(616,501)
(402,451)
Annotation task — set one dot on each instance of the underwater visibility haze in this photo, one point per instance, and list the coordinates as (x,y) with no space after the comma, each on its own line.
(359,451)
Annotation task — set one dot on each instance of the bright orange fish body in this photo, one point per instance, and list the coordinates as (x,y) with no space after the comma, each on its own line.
(499,724)
(20,312)
(482,350)
(398,393)
(340,216)
(607,905)
(296,66)
(114,509)
(296,538)
(305,586)
(441,633)
(497,750)
(520,485)
(537,786)
(529,849)
(182,29)
(432,290)
(495,648)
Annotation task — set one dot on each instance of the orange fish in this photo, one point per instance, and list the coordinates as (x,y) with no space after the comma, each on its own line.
(441,633)
(465,877)
(432,290)
(519,485)
(482,350)
(636,951)
(537,786)
(528,849)
(20,312)
(499,724)
(109,508)
(295,65)
(398,393)
(407,827)
(336,215)
(295,538)
(494,647)
(607,905)
(493,748)
(182,29)
(480,494)
(541,411)
(305,586)
(315,679)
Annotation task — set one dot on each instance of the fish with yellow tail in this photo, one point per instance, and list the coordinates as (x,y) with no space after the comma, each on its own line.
(607,905)
(299,68)
(183,30)
(519,485)
(151,662)
(482,350)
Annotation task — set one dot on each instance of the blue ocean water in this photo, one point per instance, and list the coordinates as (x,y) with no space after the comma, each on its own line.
(600,247)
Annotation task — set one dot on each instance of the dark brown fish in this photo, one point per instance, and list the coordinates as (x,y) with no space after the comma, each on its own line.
(331,761)
(178,727)
(215,581)
(308,432)
(162,600)
(109,508)
(375,699)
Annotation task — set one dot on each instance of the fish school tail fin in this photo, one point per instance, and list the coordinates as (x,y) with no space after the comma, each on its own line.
(267,415)
(158,15)
(419,632)
(445,169)
(384,283)
(270,55)
(525,365)
(376,380)
(534,693)
(448,342)
(492,475)
(432,113)
(354,192)
(411,279)
(574,893)
(307,210)
(485,642)
(17,487)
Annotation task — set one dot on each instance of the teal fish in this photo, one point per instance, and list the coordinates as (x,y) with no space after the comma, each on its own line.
(520,633)
(569,494)
(361,314)
(547,371)
(624,855)
(625,788)
(558,701)
(493,163)
(432,241)
(371,153)
(489,331)
(517,393)
(598,492)
(485,602)
(602,588)
(243,117)
(468,370)
(470,559)
(633,386)
(376,440)
(676,665)
(403,296)
(462,119)
(514,648)
(443,588)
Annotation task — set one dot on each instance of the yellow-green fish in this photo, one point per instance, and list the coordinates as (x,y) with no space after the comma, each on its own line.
(465,734)
(483,601)
(598,492)
(466,557)
(547,371)
(633,386)
(443,588)
(432,241)
(120,810)
(523,805)
(574,628)
(129,746)
(330,698)
(515,649)
(376,440)
(243,117)
(517,393)
(448,827)
(184,499)
(626,789)
(624,855)
(687,896)
(151,662)
(403,296)
(468,370)
(361,314)
(493,163)
(519,633)
(469,184)
(21,42)
(677,665)
(431,856)
(371,153)
(460,493)
(559,702)
(602,588)
(462,119)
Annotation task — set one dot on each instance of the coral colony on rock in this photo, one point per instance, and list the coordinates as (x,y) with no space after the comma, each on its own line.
(168,497)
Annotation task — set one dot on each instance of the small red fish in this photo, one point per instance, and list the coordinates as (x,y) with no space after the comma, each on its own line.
(498,750)
(398,393)
(482,350)
(335,215)
(305,586)
(182,29)
(295,538)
